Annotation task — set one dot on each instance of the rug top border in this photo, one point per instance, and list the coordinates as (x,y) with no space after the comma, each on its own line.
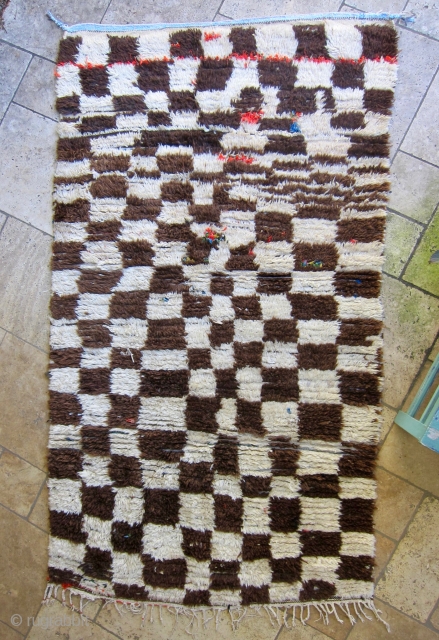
(406,17)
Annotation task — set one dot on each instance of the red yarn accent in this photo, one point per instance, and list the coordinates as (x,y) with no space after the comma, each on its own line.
(252,117)
(237,158)
(237,56)
(211,36)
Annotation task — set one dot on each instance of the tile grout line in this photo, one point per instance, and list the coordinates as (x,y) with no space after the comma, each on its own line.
(105,12)
(4,222)
(25,341)
(415,247)
(389,406)
(29,629)
(411,285)
(416,486)
(29,224)
(218,11)
(96,615)
(23,518)
(419,33)
(16,89)
(98,624)
(406,217)
(403,534)
(385,534)
(15,629)
(24,459)
(43,484)
(17,104)
(402,613)
(429,622)
(421,102)
(411,155)
(32,53)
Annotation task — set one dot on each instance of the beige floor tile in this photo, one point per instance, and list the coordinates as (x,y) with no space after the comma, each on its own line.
(26,23)
(435,618)
(37,89)
(388,418)
(401,237)
(403,455)
(300,632)
(40,513)
(129,627)
(427,17)
(411,580)
(401,627)
(56,621)
(422,140)
(28,141)
(23,398)
(144,11)
(334,629)
(25,282)
(415,187)
(23,568)
(13,64)
(6,633)
(420,271)
(19,483)
(397,501)
(383,550)
(410,325)
(417,63)
(248,8)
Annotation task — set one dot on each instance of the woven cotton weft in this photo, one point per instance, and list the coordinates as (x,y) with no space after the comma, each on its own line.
(219,210)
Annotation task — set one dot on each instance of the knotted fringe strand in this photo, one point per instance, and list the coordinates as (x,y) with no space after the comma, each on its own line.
(288,614)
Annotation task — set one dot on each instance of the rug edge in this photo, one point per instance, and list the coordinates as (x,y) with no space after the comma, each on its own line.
(406,17)
(286,614)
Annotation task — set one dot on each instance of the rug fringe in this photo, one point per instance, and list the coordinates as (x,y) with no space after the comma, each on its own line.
(288,614)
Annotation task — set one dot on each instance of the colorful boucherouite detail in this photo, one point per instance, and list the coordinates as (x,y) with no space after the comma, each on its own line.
(219,211)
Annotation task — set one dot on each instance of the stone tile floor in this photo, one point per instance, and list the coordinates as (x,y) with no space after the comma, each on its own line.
(407,518)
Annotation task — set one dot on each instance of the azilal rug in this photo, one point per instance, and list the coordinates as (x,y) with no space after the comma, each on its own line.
(219,210)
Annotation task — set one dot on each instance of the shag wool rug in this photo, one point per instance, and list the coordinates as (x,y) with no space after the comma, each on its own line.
(219,210)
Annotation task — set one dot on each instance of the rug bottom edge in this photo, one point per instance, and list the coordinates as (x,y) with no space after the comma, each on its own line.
(283,613)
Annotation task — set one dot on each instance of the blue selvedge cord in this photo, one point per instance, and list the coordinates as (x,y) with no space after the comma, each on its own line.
(86,26)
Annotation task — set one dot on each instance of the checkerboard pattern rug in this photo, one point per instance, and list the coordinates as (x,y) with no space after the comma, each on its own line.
(219,210)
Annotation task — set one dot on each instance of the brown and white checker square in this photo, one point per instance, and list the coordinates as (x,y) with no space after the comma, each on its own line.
(215,407)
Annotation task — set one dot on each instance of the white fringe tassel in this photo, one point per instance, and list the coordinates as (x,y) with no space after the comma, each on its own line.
(287,614)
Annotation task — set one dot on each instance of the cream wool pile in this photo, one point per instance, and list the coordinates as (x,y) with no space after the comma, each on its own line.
(219,210)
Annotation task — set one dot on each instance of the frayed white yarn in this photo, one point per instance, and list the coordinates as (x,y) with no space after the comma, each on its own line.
(287,614)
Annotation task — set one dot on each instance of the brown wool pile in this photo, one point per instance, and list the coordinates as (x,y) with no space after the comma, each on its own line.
(219,211)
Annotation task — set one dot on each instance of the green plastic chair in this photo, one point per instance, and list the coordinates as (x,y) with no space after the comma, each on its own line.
(426,428)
